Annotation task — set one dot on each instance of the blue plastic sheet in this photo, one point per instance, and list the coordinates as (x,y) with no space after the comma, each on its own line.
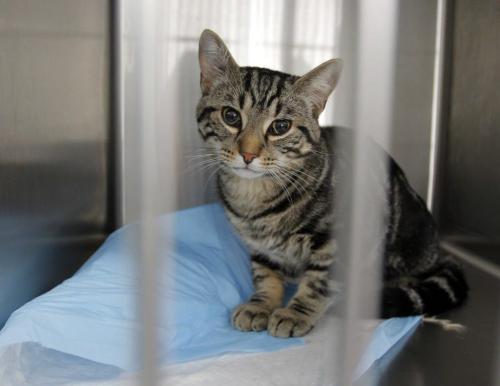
(390,332)
(93,314)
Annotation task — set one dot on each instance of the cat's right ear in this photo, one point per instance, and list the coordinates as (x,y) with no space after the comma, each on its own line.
(215,60)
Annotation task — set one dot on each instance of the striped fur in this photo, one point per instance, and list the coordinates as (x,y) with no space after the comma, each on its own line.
(278,191)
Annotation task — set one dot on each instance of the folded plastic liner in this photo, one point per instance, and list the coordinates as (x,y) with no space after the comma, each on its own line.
(84,331)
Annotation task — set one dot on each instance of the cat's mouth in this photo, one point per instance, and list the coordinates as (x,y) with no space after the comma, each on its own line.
(246,172)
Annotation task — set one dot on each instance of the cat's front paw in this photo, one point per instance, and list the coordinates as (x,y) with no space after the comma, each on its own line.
(285,323)
(250,317)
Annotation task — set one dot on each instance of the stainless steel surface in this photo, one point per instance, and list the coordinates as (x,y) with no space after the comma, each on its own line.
(434,357)
(471,185)
(468,191)
(54,134)
(413,89)
(438,99)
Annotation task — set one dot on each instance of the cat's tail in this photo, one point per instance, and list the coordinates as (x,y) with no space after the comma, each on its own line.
(442,289)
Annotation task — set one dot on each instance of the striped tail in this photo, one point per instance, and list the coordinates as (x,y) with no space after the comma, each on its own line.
(439,291)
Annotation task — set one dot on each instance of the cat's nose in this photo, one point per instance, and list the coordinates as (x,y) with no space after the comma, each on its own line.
(248,157)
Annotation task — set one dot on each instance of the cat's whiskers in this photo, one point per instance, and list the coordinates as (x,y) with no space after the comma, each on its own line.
(204,161)
(293,173)
(201,150)
(202,165)
(301,172)
(219,167)
(199,169)
(293,183)
(296,182)
(196,157)
(283,187)
(322,153)
(290,178)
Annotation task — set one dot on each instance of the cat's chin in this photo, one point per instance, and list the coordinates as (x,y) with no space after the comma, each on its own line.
(247,173)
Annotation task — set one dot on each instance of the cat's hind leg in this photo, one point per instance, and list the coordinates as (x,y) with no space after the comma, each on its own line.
(440,290)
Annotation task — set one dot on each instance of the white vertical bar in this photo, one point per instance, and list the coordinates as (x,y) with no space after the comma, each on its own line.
(437,92)
(148,140)
(146,72)
(373,79)
(118,111)
(157,133)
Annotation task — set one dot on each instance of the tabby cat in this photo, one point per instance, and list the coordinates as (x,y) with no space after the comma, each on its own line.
(276,179)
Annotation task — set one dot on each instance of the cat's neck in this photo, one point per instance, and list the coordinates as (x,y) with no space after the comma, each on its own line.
(250,195)
(262,187)
(244,195)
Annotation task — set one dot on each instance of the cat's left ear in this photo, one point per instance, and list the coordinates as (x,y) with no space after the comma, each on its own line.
(317,85)
(215,60)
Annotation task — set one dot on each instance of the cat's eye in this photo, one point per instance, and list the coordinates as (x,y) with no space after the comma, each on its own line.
(231,117)
(279,127)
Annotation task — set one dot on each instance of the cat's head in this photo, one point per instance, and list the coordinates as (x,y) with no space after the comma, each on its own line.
(256,120)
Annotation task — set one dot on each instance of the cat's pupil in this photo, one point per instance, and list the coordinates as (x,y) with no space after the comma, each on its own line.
(231,116)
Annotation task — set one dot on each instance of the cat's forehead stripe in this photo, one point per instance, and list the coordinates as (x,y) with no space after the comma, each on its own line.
(263,86)
(267,99)
(247,80)
(279,89)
